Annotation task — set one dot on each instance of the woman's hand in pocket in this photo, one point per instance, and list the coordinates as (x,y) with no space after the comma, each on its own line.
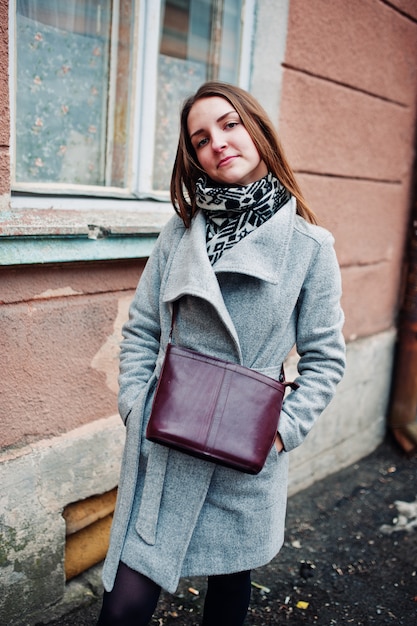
(278,443)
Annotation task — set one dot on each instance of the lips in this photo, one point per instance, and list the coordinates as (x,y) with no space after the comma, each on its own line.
(226,161)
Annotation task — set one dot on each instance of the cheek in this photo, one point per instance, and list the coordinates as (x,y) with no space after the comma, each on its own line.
(251,148)
(248,144)
(204,161)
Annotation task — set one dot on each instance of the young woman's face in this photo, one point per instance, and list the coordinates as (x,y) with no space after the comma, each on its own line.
(222,144)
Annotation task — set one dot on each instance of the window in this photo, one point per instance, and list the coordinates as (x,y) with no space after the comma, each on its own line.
(99,84)
(73,89)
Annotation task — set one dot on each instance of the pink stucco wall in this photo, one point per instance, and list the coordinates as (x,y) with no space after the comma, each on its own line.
(60,332)
(348,123)
(4,100)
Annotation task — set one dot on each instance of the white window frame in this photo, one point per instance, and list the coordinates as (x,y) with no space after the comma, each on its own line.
(140,196)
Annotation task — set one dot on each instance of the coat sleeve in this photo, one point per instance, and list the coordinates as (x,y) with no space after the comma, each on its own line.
(142,332)
(320,346)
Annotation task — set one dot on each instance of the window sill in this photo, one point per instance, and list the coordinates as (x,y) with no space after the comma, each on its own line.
(35,236)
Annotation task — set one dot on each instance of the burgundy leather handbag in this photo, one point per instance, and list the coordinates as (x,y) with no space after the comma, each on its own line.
(215,410)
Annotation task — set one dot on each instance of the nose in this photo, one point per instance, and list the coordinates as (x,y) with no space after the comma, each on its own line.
(218,142)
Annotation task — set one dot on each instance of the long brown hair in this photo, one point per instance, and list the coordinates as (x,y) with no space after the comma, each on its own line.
(187,169)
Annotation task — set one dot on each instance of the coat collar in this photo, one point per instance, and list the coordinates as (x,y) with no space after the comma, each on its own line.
(261,254)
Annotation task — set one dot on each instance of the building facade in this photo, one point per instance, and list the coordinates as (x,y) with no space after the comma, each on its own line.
(82,200)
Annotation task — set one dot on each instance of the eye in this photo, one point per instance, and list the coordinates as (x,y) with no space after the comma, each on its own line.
(202,142)
(231,124)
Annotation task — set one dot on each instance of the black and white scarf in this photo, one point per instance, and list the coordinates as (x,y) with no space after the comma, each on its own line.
(234,212)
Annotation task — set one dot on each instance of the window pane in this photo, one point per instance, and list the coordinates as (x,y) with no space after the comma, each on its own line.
(200,40)
(73,63)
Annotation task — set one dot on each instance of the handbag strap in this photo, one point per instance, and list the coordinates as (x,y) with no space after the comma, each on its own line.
(173,318)
(281,375)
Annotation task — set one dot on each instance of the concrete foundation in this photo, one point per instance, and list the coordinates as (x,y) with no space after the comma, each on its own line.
(36,483)
(354,424)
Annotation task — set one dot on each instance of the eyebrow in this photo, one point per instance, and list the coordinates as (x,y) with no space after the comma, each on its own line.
(201,130)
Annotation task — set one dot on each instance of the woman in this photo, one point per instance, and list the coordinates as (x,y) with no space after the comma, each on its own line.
(253,276)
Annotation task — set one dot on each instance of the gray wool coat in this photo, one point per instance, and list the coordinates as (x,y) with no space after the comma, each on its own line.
(279,287)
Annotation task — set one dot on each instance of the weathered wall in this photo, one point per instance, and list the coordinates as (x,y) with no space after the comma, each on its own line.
(60,335)
(60,436)
(37,482)
(347,121)
(4,108)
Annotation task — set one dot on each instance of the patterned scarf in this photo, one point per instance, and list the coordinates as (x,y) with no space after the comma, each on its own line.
(234,212)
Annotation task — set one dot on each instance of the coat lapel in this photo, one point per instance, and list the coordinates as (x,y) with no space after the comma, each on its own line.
(191,273)
(261,255)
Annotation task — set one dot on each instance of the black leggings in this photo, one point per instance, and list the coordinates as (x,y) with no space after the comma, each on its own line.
(134,597)
(227,599)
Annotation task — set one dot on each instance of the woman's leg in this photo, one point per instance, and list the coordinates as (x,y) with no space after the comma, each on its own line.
(131,602)
(227,599)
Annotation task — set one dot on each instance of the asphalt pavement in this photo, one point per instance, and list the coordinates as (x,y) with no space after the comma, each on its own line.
(350,556)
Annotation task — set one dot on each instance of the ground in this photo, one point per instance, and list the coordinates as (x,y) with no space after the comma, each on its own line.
(350,556)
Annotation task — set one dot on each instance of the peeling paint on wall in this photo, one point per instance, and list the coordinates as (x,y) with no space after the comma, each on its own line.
(4,201)
(106,360)
(57,293)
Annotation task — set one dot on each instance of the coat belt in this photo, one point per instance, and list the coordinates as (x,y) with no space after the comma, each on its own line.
(152,492)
